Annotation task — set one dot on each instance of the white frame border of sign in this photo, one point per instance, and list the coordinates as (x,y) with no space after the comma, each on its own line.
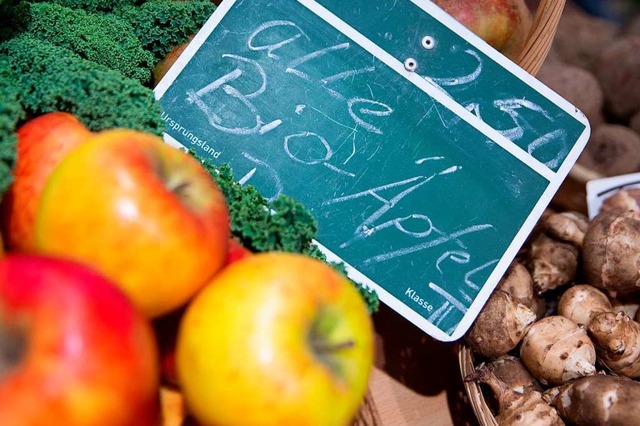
(555,178)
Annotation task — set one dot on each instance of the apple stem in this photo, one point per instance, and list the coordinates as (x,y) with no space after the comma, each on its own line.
(179,187)
(321,346)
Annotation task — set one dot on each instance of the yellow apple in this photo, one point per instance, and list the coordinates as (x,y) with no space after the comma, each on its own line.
(146,215)
(275,339)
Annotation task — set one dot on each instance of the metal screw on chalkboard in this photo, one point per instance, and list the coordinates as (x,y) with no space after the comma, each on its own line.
(410,64)
(428,42)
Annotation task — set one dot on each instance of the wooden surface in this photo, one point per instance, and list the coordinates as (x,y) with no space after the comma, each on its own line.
(417,379)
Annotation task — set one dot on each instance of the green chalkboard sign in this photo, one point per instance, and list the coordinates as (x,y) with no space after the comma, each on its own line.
(425,155)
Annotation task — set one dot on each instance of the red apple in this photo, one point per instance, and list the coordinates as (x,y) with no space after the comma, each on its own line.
(236,251)
(146,215)
(74,351)
(504,24)
(42,143)
(167,62)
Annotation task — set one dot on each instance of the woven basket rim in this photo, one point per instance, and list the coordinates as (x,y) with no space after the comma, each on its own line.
(541,35)
(478,403)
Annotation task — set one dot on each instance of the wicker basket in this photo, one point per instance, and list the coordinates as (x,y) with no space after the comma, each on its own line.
(476,397)
(536,48)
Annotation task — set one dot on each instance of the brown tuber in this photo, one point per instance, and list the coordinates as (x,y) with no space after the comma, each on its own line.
(598,400)
(629,305)
(552,263)
(618,70)
(517,281)
(577,85)
(580,302)
(612,150)
(580,37)
(556,350)
(530,410)
(500,326)
(624,199)
(634,122)
(508,379)
(517,392)
(611,253)
(617,341)
(568,227)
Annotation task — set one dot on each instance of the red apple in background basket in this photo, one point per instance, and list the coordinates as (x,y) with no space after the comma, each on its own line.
(504,24)
(146,215)
(74,351)
(42,143)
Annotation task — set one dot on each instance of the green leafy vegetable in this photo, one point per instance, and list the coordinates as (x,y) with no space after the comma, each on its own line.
(103,39)
(92,5)
(163,24)
(53,78)
(11,113)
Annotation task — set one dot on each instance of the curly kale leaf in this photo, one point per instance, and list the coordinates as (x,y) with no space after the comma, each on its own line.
(163,24)
(101,38)
(52,78)
(92,5)
(11,113)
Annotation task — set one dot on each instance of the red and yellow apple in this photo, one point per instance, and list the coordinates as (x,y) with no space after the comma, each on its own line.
(42,143)
(146,215)
(74,351)
(275,339)
(504,24)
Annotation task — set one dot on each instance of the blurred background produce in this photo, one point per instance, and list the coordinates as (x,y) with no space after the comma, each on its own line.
(594,64)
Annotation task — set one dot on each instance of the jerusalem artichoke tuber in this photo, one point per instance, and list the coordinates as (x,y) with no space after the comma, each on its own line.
(530,410)
(611,253)
(552,263)
(628,305)
(517,392)
(508,379)
(613,149)
(580,302)
(599,401)
(556,350)
(617,341)
(624,199)
(500,326)
(568,227)
(517,281)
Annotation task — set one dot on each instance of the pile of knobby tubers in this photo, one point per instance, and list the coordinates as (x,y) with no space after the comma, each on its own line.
(595,64)
(559,339)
